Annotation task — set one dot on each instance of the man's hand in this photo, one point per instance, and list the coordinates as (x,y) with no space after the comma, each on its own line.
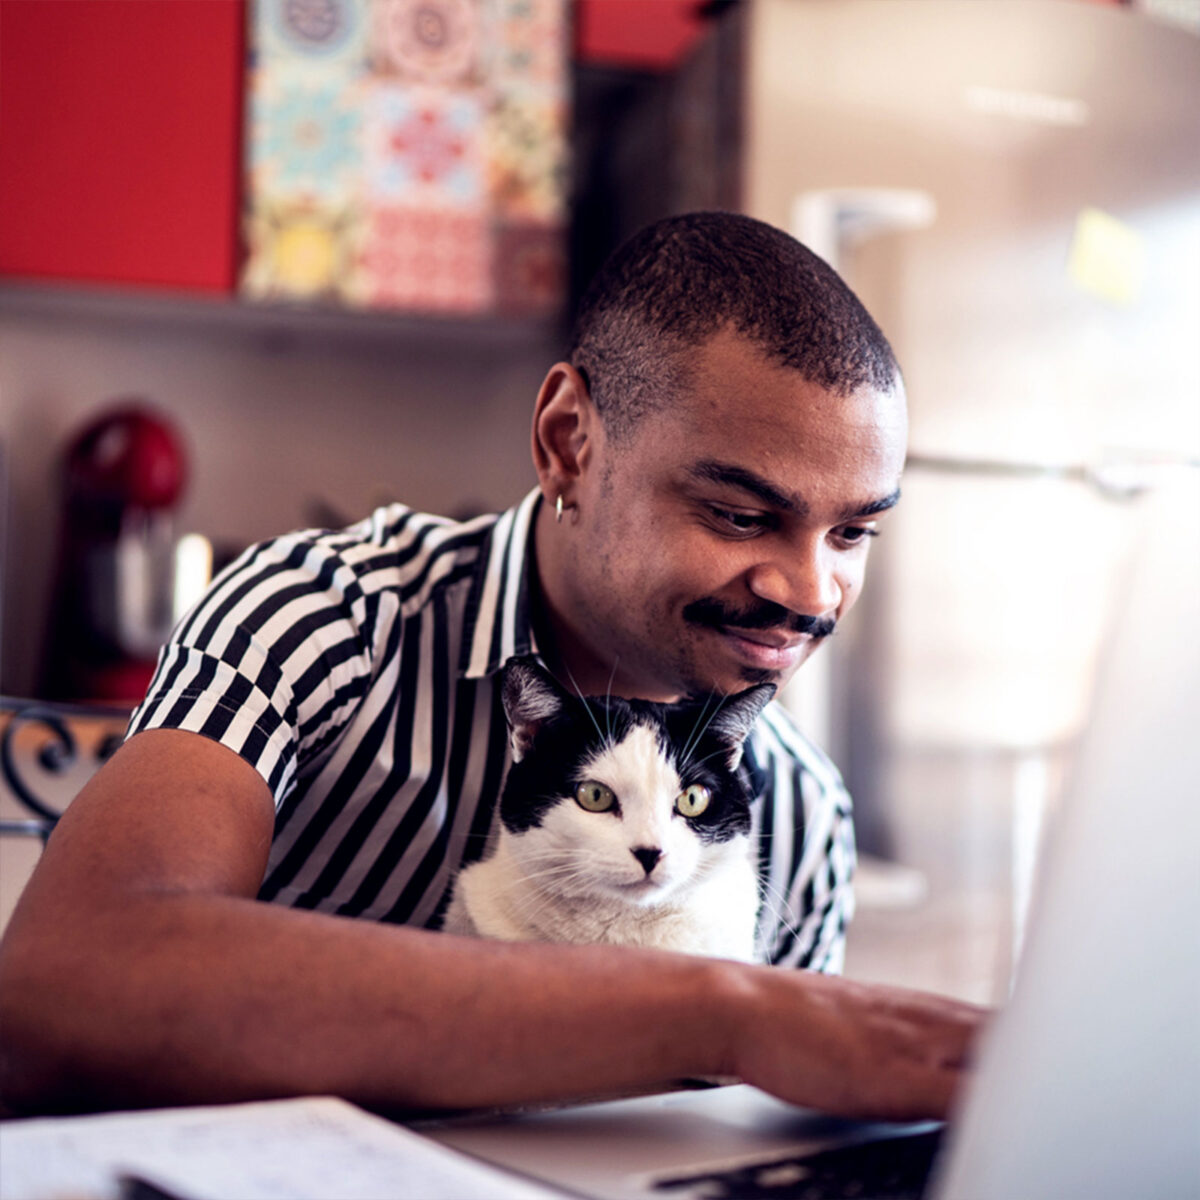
(860,1050)
(139,969)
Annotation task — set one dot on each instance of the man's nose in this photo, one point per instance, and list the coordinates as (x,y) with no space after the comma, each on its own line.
(805,582)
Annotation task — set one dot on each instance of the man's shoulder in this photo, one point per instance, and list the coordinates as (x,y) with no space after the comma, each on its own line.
(394,546)
(781,746)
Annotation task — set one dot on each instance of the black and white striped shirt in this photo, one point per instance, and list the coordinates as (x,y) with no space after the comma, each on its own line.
(356,671)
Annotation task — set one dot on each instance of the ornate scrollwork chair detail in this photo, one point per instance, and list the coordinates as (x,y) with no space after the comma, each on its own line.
(40,744)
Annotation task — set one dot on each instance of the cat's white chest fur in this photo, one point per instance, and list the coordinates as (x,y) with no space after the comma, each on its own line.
(576,875)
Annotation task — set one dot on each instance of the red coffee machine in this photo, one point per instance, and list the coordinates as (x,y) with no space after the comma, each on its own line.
(123,476)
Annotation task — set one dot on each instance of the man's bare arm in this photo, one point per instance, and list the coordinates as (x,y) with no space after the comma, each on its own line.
(139,969)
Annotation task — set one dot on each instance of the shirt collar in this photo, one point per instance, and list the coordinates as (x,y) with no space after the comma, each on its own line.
(499,617)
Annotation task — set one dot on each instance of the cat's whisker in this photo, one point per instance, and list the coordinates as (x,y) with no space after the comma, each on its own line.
(586,706)
(554,850)
(560,861)
(777,903)
(526,900)
(531,889)
(712,717)
(720,752)
(535,866)
(779,908)
(685,754)
(608,698)
(695,741)
(535,899)
(562,871)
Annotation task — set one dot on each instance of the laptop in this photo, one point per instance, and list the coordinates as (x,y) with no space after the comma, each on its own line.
(1089,1080)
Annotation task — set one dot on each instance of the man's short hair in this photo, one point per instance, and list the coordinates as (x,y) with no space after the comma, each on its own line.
(676,283)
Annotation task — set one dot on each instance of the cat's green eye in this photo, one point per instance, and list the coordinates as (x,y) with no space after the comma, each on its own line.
(594,797)
(693,800)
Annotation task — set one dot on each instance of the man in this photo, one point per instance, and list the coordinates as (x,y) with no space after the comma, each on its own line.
(324,734)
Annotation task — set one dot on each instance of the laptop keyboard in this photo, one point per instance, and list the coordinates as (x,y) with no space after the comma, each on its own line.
(895,1168)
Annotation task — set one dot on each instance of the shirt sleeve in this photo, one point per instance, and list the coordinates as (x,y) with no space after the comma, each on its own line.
(273,660)
(806,850)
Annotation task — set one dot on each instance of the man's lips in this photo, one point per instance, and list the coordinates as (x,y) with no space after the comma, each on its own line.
(762,649)
(768,638)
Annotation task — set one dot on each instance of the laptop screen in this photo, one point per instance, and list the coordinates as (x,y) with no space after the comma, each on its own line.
(1089,1083)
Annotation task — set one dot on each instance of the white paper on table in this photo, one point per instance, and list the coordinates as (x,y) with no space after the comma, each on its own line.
(312,1148)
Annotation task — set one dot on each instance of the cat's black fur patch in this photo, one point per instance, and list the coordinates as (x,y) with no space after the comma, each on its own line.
(549,770)
(557,743)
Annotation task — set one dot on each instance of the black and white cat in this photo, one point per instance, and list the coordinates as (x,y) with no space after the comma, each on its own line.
(622,821)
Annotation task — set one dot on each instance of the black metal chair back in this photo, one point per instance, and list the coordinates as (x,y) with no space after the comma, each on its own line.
(39,742)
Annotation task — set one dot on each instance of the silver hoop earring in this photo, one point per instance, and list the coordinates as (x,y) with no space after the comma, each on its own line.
(558,508)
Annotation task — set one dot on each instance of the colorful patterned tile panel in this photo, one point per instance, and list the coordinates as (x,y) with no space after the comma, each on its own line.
(407,154)
(305,137)
(320,34)
(427,41)
(527,165)
(424,148)
(301,251)
(527,45)
(427,261)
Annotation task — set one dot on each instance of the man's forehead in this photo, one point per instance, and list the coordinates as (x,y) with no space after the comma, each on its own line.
(779,407)
(737,381)
(734,401)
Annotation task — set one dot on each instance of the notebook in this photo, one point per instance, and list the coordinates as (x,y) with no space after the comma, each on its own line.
(310,1148)
(1089,1081)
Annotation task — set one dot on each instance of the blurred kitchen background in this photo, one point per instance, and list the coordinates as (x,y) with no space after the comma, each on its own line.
(269,265)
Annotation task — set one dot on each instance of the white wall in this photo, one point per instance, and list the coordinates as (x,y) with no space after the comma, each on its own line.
(277,415)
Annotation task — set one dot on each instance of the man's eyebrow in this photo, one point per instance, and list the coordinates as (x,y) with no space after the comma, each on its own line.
(716,471)
(878,506)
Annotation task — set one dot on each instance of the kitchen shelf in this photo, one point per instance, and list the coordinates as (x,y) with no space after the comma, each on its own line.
(273,323)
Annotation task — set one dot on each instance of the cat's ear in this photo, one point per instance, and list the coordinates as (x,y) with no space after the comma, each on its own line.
(735,718)
(531,697)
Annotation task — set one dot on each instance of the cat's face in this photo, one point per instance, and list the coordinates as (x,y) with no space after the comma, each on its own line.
(625,799)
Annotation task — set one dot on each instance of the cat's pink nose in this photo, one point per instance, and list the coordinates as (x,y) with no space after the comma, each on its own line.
(648,856)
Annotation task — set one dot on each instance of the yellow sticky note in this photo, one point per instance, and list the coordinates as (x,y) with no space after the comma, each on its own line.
(1107,257)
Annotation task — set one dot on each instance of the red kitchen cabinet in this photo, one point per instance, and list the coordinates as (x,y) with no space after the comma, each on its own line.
(120,133)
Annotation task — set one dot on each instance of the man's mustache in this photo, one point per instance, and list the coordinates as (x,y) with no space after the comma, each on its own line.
(712,614)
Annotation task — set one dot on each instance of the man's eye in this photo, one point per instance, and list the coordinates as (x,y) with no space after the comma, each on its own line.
(853,534)
(742,522)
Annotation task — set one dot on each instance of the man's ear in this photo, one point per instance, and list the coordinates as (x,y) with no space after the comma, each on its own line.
(564,424)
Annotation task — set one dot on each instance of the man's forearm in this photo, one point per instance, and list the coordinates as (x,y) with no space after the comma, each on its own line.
(195,998)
